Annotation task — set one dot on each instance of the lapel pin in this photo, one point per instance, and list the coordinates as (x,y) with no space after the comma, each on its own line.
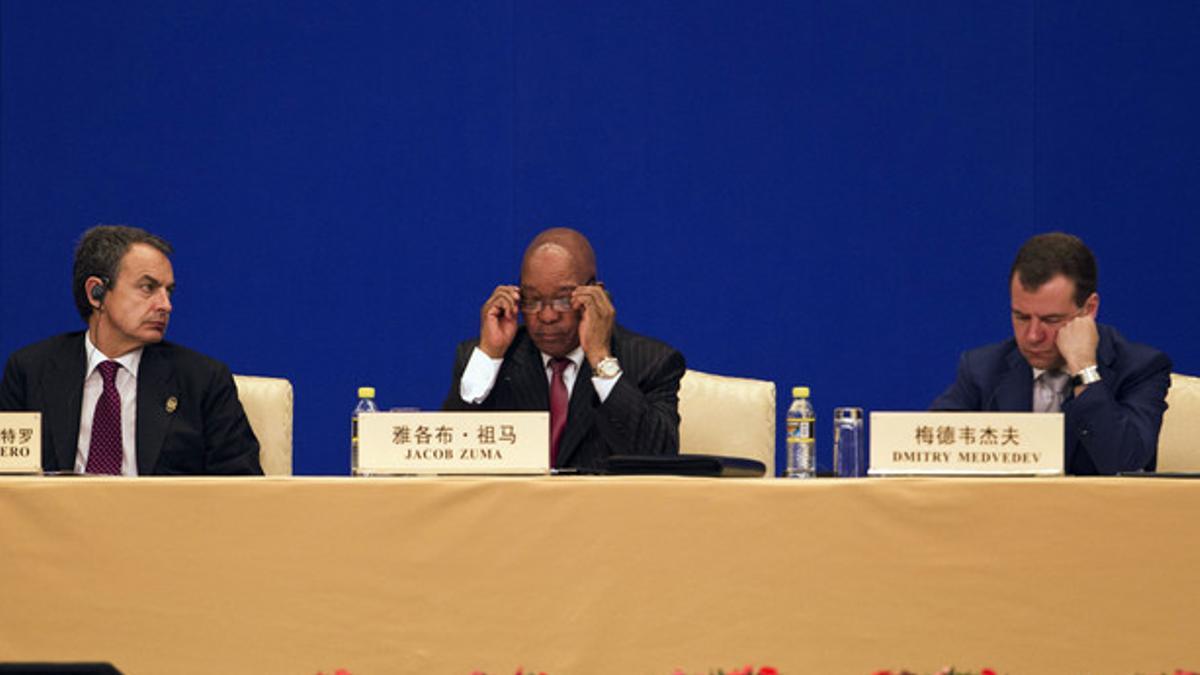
(172,404)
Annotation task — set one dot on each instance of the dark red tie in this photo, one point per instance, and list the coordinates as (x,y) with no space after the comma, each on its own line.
(558,405)
(104,452)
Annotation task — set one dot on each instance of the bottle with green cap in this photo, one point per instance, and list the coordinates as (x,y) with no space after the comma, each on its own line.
(366,403)
(801,443)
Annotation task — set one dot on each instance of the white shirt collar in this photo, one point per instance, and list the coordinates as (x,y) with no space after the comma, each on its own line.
(575,356)
(1037,372)
(95,357)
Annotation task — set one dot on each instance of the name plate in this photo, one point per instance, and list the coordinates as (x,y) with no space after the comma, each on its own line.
(20,442)
(966,443)
(419,443)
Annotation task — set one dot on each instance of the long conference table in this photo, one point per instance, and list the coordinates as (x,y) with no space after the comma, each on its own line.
(601,575)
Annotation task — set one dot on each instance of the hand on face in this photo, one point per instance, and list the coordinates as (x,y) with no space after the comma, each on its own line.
(595,326)
(1051,329)
(498,320)
(1077,341)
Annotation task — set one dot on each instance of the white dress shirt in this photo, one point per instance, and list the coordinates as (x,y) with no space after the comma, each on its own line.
(93,386)
(479,376)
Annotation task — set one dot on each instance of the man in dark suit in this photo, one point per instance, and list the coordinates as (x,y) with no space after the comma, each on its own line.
(117,399)
(609,390)
(1112,392)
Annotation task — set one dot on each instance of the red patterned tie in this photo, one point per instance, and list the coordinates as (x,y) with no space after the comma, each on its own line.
(104,452)
(558,405)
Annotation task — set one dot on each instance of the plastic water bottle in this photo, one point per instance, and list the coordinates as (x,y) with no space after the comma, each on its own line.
(801,445)
(366,403)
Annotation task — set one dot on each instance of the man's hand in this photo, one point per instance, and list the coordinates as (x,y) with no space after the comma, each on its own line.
(498,321)
(1077,341)
(595,326)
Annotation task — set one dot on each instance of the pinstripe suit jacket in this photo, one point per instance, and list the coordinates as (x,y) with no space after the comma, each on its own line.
(640,415)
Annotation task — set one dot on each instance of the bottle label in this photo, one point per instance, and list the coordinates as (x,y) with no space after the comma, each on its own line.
(800,428)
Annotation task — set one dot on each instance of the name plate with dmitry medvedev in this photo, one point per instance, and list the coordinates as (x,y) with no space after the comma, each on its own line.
(20,442)
(966,443)
(421,443)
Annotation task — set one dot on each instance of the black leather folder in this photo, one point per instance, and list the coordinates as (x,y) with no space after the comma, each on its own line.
(713,466)
(58,669)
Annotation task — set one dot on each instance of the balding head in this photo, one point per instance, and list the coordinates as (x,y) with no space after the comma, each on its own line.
(560,241)
(555,264)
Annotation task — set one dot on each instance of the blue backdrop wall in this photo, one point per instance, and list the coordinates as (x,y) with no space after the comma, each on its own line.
(811,193)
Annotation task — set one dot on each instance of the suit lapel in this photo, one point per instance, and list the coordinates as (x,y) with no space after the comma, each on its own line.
(525,380)
(63,411)
(1014,391)
(155,385)
(584,405)
(579,414)
(1105,355)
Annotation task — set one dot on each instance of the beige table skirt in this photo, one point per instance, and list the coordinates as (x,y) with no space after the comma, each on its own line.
(594,575)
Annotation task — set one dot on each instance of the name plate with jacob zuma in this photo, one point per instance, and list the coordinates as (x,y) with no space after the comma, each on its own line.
(430,443)
(966,443)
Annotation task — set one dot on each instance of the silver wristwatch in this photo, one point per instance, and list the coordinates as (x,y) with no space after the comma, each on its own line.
(1086,376)
(608,368)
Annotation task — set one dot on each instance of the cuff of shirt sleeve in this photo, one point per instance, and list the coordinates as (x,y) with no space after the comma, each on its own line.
(478,377)
(604,385)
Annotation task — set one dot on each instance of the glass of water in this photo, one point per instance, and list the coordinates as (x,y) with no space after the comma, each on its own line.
(848,461)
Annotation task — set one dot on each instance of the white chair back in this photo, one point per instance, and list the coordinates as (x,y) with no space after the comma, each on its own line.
(1179,439)
(268,405)
(731,416)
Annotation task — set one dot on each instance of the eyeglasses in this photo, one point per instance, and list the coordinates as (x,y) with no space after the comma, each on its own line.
(559,304)
(534,305)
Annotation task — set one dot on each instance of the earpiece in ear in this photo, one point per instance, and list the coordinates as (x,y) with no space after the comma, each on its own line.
(98,292)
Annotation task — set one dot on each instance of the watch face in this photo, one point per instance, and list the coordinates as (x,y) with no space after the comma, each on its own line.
(608,367)
(1086,376)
